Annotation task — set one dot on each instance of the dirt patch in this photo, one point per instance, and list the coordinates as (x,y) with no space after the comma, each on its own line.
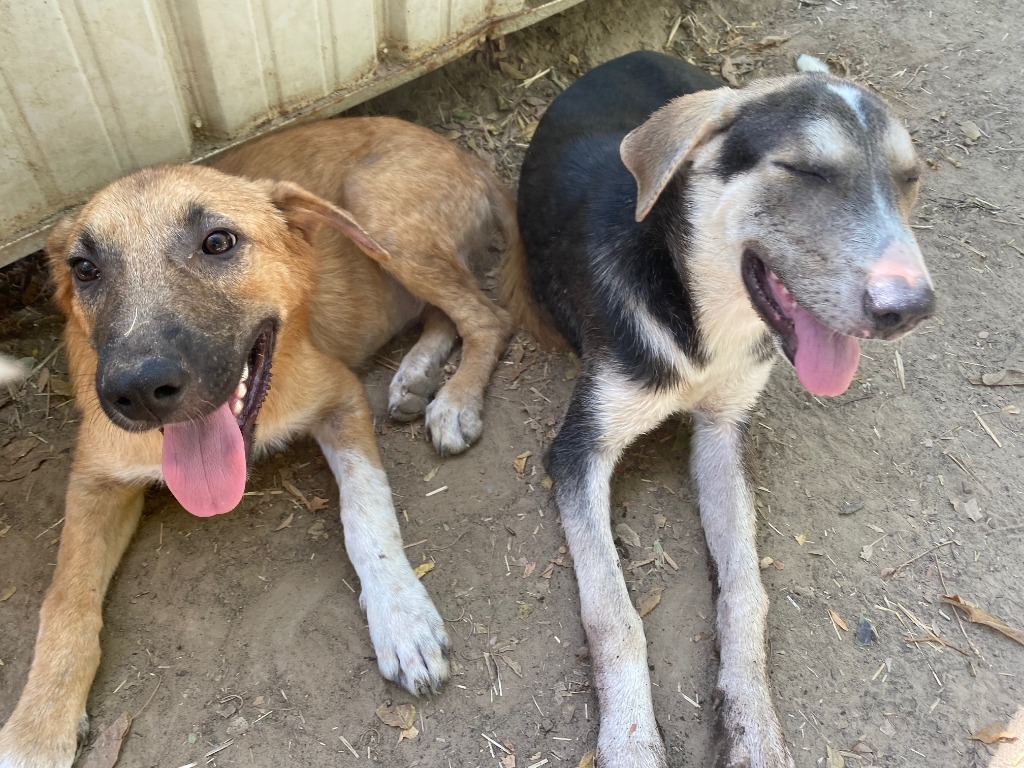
(245,630)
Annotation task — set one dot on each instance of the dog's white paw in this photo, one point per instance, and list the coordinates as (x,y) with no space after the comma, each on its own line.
(408,634)
(754,741)
(454,423)
(629,745)
(411,389)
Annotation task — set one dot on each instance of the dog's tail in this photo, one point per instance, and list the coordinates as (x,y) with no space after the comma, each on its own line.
(513,284)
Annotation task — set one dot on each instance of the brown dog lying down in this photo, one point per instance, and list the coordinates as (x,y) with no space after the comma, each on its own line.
(185,289)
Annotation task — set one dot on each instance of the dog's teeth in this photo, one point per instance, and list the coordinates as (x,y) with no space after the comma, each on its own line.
(245,372)
(236,408)
(241,390)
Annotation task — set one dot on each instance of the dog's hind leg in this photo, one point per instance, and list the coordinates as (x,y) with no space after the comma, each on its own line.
(455,417)
(753,735)
(50,718)
(581,461)
(419,375)
(407,632)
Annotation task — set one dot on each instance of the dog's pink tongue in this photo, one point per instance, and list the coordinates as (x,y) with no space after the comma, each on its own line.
(204,463)
(825,360)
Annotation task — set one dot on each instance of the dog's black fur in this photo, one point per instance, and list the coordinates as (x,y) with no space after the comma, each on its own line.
(577,200)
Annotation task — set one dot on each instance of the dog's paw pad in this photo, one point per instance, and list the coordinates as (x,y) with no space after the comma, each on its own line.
(409,638)
(453,426)
(410,391)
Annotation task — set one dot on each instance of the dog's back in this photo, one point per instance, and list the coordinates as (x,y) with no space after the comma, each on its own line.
(576,196)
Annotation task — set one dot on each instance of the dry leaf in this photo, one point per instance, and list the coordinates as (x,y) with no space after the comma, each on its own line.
(969,508)
(587,761)
(729,72)
(528,570)
(766,562)
(508,761)
(511,71)
(547,483)
(971,131)
(401,716)
(649,602)
(107,749)
(1008,377)
(771,41)
(286,522)
(867,552)
(423,569)
(976,615)
(7,594)
(520,462)
(431,474)
(290,487)
(408,733)
(994,733)
(801,539)
(838,621)
(1012,410)
(628,535)
(834,759)
(316,504)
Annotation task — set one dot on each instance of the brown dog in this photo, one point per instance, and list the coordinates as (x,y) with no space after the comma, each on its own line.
(185,288)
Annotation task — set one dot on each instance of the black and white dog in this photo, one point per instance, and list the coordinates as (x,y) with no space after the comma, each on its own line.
(678,234)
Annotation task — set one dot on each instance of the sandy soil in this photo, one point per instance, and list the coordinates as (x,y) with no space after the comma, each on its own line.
(245,631)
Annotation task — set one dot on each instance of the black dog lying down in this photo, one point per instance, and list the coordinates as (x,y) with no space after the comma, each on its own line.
(678,234)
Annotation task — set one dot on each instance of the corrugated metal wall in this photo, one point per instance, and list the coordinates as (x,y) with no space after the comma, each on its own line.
(93,89)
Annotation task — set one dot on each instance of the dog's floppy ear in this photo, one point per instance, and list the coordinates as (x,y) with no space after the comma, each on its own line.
(307,213)
(660,147)
(57,246)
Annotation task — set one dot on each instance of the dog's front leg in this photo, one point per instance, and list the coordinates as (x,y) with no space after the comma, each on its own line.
(407,632)
(50,718)
(581,461)
(753,735)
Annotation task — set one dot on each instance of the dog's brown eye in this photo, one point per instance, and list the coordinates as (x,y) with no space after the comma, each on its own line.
(219,242)
(85,270)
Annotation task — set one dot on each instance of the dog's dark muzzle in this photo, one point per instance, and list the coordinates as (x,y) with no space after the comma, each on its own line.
(145,393)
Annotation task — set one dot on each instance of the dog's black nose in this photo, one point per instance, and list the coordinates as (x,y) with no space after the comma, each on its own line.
(146,392)
(896,305)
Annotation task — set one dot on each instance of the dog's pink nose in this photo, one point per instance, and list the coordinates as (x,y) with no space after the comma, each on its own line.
(899,293)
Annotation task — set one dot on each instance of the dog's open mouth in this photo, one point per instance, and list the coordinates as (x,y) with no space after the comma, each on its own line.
(205,460)
(825,360)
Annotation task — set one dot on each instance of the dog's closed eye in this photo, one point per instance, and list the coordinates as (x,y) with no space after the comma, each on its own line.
(804,171)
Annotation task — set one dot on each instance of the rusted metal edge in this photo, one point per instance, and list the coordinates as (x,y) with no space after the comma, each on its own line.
(390,74)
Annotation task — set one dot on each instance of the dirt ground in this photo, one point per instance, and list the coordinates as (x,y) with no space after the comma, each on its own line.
(243,633)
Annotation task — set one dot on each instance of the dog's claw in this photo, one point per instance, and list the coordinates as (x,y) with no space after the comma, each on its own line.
(408,636)
(453,427)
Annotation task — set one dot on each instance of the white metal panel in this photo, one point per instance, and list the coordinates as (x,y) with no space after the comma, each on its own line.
(93,89)
(84,98)
(251,60)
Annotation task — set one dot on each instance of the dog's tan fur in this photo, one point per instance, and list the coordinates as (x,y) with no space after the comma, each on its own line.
(422,208)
